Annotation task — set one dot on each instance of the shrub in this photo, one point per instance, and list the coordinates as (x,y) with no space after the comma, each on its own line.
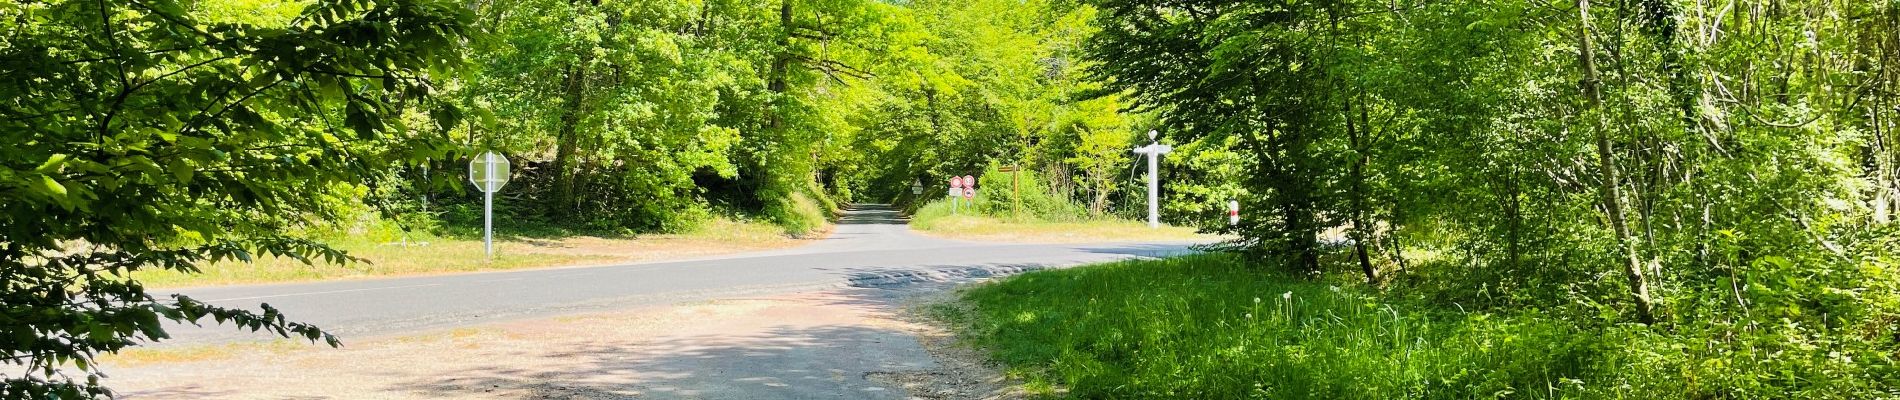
(1022,195)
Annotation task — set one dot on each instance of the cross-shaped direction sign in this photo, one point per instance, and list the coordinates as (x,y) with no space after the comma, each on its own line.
(1154,151)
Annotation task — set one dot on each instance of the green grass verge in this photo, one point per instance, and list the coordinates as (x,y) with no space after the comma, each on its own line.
(1211,327)
(385,255)
(936,219)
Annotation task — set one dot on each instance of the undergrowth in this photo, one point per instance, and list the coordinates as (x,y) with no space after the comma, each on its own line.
(1215,327)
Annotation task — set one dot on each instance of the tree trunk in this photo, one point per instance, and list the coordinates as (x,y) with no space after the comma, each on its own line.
(573,87)
(1885,152)
(1361,230)
(1392,236)
(1295,198)
(1611,192)
(573,93)
(1098,203)
(1883,169)
(780,80)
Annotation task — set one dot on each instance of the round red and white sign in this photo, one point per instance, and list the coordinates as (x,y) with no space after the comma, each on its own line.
(956,181)
(969,193)
(969,181)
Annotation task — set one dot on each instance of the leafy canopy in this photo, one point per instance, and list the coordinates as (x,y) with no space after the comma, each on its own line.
(147,134)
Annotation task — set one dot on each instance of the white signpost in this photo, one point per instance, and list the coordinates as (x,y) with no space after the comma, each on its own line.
(489,171)
(956,190)
(1154,150)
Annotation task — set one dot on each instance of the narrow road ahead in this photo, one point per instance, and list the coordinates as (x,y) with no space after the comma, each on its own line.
(871,247)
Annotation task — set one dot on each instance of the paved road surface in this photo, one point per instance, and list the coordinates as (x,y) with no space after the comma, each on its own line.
(871,247)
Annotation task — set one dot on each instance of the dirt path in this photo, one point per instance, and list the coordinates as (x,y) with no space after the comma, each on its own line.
(838,343)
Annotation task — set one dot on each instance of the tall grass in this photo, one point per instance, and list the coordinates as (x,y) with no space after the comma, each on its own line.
(801,213)
(937,219)
(1211,327)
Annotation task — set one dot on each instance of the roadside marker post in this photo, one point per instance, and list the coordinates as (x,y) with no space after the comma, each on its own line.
(953,199)
(489,172)
(1154,150)
(956,190)
(1233,212)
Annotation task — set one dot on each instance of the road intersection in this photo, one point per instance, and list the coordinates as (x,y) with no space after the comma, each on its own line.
(871,246)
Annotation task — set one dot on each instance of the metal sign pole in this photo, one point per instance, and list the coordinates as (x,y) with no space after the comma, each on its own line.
(956,191)
(488,207)
(489,172)
(488,223)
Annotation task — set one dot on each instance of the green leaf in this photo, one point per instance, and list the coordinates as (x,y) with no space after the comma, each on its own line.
(52,188)
(52,164)
(180,170)
(99,332)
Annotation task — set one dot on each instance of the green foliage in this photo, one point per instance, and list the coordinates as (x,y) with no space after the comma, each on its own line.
(996,83)
(651,116)
(1732,169)
(1212,326)
(1021,195)
(629,104)
(1529,164)
(800,213)
(149,135)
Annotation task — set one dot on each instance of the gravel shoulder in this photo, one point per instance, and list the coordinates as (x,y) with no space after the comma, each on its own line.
(844,342)
(962,371)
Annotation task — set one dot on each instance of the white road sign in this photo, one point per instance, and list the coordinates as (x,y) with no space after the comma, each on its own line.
(489,171)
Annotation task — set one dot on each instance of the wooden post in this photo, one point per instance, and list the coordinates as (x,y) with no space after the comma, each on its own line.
(1015,188)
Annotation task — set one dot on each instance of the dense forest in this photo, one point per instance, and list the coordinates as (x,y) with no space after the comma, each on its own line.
(1720,173)
(651,116)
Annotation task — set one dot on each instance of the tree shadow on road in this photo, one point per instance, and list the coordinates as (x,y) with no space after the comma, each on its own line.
(872,214)
(823,361)
(189,391)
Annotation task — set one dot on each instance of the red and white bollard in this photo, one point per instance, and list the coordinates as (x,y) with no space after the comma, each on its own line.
(1233,212)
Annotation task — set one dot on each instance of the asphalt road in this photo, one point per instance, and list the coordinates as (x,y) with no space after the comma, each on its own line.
(871,247)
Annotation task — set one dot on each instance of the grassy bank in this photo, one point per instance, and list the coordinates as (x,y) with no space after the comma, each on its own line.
(427,254)
(936,219)
(1209,327)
